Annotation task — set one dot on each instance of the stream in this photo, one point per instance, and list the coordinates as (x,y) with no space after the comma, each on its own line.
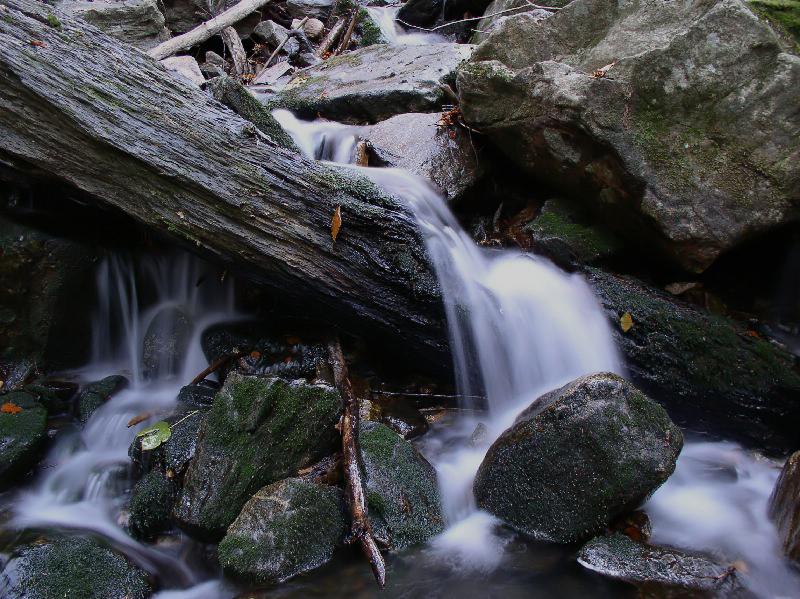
(519,326)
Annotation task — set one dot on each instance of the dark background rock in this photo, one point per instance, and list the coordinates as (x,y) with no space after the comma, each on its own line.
(166,341)
(152,500)
(95,394)
(22,435)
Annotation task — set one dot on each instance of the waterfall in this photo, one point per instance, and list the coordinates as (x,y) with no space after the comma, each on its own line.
(385,17)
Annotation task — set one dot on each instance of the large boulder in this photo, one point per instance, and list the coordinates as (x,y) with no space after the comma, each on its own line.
(784,506)
(711,373)
(420,143)
(619,557)
(137,22)
(23,433)
(400,486)
(577,458)
(259,430)
(676,120)
(166,341)
(501,10)
(72,567)
(285,529)
(374,83)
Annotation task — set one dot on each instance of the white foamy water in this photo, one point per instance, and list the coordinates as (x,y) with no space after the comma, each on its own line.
(394,33)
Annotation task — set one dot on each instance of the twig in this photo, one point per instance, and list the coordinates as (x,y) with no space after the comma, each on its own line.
(283,43)
(330,39)
(494,14)
(354,489)
(214,366)
(349,33)
(206,30)
(425,395)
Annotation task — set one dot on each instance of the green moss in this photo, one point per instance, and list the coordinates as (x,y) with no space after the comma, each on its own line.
(22,435)
(151,505)
(783,15)
(53,21)
(370,32)
(557,222)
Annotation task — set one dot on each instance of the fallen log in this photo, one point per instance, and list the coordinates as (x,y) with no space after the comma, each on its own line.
(87,110)
(236,50)
(361,530)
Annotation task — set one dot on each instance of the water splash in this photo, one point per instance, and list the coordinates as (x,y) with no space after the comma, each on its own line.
(386,18)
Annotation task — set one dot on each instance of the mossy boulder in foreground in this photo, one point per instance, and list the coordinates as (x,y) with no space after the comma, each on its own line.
(23,424)
(259,430)
(402,493)
(286,528)
(72,567)
(151,505)
(578,457)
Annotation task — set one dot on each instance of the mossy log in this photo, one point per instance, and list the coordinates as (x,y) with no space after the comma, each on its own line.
(85,109)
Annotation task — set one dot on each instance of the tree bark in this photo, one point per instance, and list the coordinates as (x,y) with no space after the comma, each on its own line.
(206,30)
(239,57)
(110,121)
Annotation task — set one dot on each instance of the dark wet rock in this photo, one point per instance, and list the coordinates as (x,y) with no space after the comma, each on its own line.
(707,370)
(635,525)
(493,17)
(72,567)
(93,395)
(688,142)
(172,457)
(166,341)
(270,33)
(425,13)
(152,500)
(577,458)
(400,485)
(47,299)
(258,431)
(313,9)
(399,415)
(136,22)
(565,234)
(784,506)
(374,83)
(197,396)
(443,155)
(185,67)
(22,434)
(15,373)
(479,435)
(55,395)
(619,557)
(285,529)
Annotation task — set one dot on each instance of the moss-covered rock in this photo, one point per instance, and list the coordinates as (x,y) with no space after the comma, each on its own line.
(258,431)
(152,500)
(671,572)
(73,567)
(23,432)
(95,394)
(402,493)
(285,529)
(783,15)
(174,454)
(577,458)
(709,371)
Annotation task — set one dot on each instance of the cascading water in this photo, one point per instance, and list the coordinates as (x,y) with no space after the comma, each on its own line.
(82,483)
(385,17)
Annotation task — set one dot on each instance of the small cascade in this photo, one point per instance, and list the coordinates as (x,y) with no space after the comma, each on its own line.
(386,18)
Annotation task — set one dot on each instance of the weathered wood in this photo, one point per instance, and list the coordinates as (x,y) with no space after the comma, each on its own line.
(349,33)
(239,57)
(111,122)
(330,39)
(280,46)
(206,30)
(354,489)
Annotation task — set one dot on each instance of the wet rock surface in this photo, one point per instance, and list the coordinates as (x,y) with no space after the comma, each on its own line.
(165,342)
(577,458)
(688,136)
(172,456)
(152,499)
(285,529)
(708,371)
(400,486)
(72,567)
(136,22)
(619,557)
(259,430)
(23,433)
(93,395)
(784,506)
(374,83)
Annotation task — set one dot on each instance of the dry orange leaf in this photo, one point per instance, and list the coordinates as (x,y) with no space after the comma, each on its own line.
(37,43)
(139,418)
(626,322)
(336,222)
(10,408)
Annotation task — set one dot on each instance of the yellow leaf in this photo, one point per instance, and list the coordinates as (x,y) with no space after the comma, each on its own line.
(336,222)
(626,322)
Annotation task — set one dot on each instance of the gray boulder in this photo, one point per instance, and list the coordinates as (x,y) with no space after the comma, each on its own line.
(270,33)
(707,370)
(137,22)
(400,486)
(577,458)
(444,155)
(23,433)
(258,431)
(621,558)
(185,67)
(784,506)
(72,567)
(374,83)
(285,529)
(166,341)
(496,13)
(313,9)
(689,141)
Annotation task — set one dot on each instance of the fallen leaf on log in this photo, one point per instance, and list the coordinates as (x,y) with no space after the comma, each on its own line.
(626,322)
(10,408)
(155,435)
(336,222)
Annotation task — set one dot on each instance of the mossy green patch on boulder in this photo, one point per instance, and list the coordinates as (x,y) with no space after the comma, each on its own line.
(710,373)
(286,528)
(783,15)
(402,493)
(258,431)
(73,567)
(577,458)
(23,432)
(152,499)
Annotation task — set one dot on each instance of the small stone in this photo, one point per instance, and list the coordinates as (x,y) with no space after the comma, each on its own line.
(270,33)
(313,28)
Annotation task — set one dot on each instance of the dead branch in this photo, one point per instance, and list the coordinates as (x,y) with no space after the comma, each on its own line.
(234,45)
(494,14)
(362,155)
(206,30)
(349,33)
(330,39)
(214,366)
(354,488)
(283,42)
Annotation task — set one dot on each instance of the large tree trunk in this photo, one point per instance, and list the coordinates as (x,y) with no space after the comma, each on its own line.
(109,120)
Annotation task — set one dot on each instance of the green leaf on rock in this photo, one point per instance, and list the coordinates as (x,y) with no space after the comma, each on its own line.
(155,435)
